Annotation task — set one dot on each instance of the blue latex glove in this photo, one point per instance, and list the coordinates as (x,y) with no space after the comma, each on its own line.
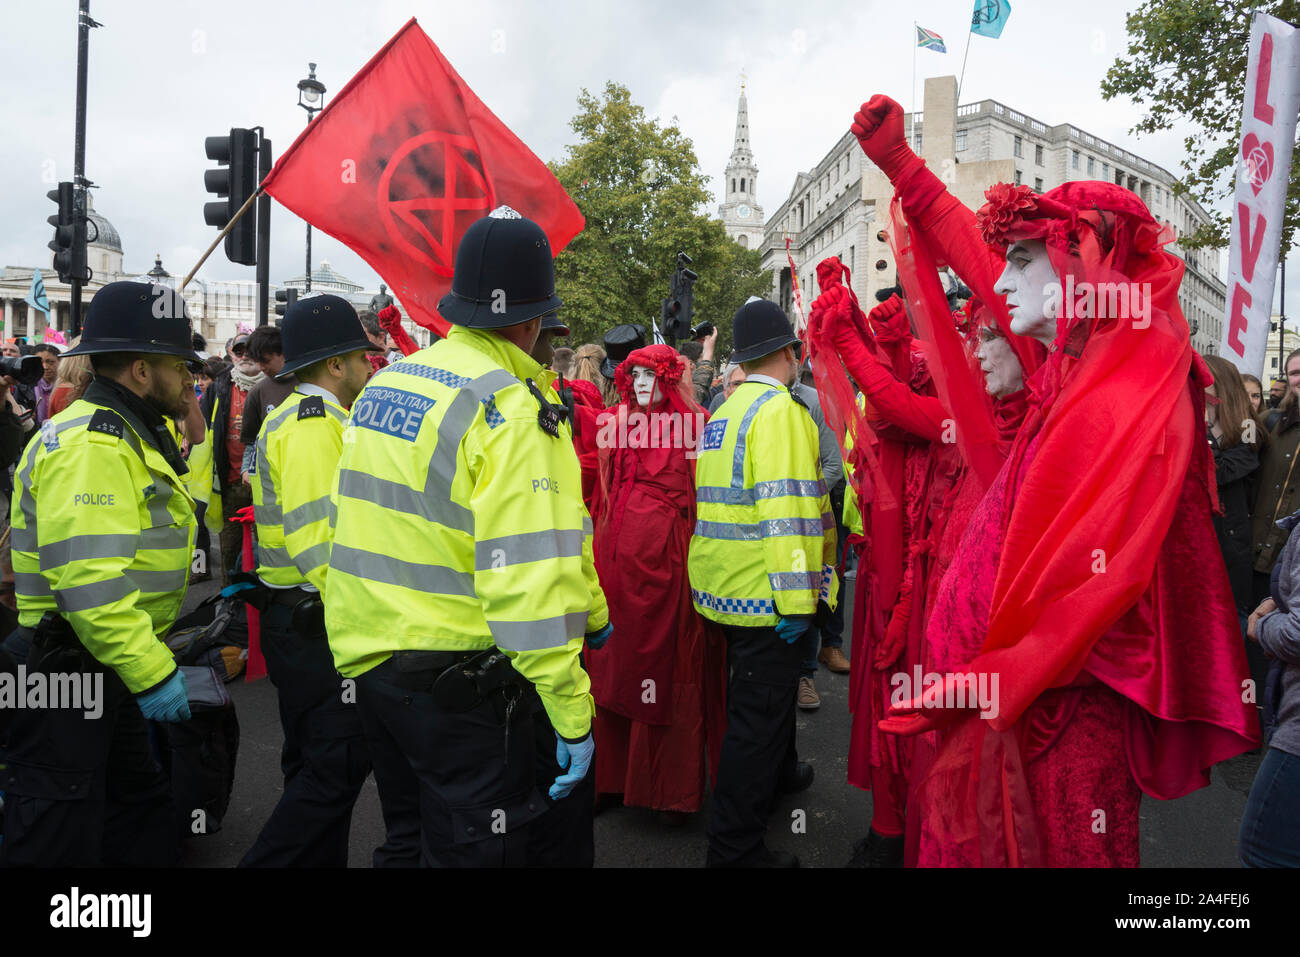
(576,757)
(596,639)
(793,628)
(168,702)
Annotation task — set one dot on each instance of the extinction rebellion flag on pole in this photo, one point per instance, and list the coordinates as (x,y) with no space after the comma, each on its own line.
(1268,125)
(400,164)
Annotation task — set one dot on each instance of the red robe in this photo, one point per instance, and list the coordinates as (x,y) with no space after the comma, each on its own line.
(660,682)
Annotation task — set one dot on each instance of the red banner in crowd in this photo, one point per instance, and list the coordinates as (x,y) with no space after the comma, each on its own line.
(403,160)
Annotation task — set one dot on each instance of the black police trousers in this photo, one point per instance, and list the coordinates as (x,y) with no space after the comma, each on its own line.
(83,791)
(325,760)
(469,787)
(758,750)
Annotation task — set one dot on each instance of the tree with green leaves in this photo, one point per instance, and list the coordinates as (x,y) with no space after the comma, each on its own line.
(1187,61)
(641,190)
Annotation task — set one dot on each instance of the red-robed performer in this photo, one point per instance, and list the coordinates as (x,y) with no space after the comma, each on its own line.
(660,686)
(939,495)
(1084,598)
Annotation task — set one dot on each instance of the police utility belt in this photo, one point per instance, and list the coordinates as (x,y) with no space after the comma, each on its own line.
(460,680)
(306,610)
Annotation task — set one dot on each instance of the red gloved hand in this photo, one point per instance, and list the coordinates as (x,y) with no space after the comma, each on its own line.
(891,646)
(878,125)
(884,317)
(390,319)
(915,716)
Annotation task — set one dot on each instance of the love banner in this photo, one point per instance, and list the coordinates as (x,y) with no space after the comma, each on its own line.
(403,160)
(1268,125)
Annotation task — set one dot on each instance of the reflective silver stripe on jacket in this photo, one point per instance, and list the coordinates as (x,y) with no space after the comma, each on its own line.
(541,634)
(495,553)
(437,579)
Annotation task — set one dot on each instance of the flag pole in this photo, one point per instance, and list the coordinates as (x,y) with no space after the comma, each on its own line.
(248,204)
(962,78)
(911,131)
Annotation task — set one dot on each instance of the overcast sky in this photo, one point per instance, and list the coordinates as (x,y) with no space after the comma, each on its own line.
(163,75)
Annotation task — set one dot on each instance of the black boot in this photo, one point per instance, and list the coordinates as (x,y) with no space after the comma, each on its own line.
(876,850)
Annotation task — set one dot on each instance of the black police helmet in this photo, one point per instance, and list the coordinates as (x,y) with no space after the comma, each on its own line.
(759,328)
(505,274)
(553,323)
(317,327)
(137,317)
(621,342)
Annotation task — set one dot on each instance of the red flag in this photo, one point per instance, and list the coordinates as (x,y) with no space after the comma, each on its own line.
(403,160)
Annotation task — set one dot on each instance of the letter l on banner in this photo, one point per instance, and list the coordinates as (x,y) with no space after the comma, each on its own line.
(1268,126)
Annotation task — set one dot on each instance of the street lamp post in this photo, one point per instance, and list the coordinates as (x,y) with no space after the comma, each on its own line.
(311,97)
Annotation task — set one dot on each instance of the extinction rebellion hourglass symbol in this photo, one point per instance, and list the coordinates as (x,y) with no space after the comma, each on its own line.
(432,179)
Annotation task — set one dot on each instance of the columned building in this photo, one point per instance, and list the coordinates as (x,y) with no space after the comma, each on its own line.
(218,307)
(741,215)
(841,206)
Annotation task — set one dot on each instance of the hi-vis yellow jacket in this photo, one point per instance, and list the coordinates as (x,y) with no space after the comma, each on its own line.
(764,542)
(459,523)
(103,533)
(298,449)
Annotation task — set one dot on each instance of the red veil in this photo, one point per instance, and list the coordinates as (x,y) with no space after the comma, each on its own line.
(1109,564)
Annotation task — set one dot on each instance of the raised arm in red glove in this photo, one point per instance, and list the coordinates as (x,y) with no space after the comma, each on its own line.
(841,327)
(390,320)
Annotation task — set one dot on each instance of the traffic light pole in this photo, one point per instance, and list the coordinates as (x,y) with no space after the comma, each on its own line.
(79,151)
(263,230)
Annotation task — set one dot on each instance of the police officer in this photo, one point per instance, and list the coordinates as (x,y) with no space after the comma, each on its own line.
(324,758)
(762,554)
(460,585)
(103,528)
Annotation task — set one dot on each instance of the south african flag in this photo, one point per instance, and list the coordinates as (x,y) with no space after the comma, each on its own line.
(929,40)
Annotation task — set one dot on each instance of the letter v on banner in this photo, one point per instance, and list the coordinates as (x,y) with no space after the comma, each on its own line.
(1268,124)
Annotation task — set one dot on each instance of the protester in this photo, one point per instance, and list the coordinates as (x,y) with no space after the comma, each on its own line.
(1254,392)
(824,641)
(223,408)
(265,347)
(1277,496)
(699,353)
(587,362)
(1053,624)
(377,336)
(1270,828)
(401,344)
(619,343)
(45,385)
(1276,392)
(758,469)
(562,363)
(655,748)
(732,376)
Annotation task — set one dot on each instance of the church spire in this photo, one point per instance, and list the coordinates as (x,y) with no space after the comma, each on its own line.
(740,152)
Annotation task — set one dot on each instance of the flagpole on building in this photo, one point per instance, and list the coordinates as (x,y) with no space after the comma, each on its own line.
(962,78)
(911,131)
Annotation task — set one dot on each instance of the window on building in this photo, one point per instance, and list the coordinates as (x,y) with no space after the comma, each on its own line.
(1074,159)
(1017,177)
(918,142)
(1105,171)
(742,184)
(1038,184)
(1092,165)
(1038,155)
(733,184)
(961,140)
(852,265)
(1019,147)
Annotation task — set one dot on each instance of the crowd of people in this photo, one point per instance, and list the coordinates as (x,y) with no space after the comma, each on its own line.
(522,582)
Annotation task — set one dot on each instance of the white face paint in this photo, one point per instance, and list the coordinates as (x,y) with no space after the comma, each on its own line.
(1003,374)
(645,387)
(1032,289)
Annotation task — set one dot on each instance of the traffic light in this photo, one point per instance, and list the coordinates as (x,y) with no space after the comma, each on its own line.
(236,180)
(69,242)
(679,307)
(284,298)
